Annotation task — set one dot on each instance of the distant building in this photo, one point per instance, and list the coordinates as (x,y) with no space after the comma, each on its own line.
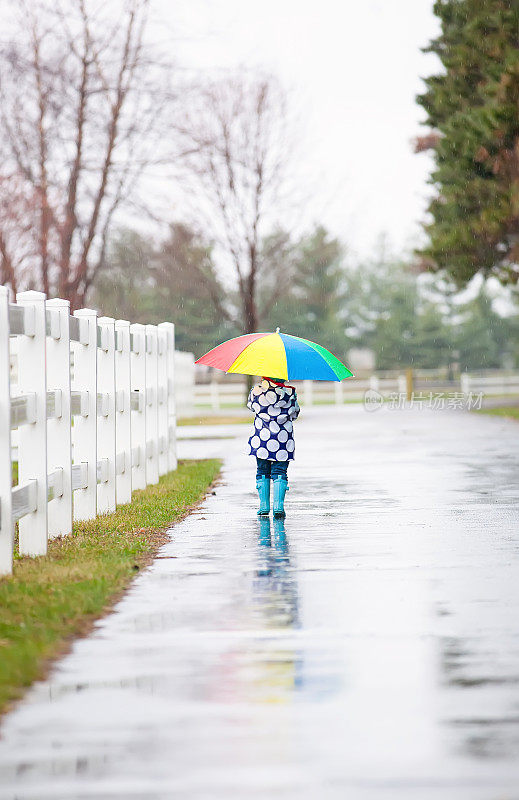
(361,359)
(184,383)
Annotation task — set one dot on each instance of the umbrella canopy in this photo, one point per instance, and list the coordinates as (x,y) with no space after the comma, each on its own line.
(276,355)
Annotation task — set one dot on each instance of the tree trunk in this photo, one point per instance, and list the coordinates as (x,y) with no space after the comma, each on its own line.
(250,311)
(251,326)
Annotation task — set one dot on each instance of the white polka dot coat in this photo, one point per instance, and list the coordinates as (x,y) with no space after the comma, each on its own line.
(275,409)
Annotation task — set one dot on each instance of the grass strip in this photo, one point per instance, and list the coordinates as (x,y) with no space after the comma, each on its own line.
(216,420)
(510,412)
(52,599)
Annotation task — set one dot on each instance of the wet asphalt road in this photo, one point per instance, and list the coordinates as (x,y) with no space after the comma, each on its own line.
(367,648)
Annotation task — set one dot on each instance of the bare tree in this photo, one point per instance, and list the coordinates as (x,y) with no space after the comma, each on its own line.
(80,106)
(18,243)
(238,133)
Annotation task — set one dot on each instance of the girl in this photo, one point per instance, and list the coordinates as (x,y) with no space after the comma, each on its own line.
(275,407)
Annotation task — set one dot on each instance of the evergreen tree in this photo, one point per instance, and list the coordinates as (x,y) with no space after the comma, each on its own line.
(306,290)
(432,341)
(482,337)
(389,306)
(313,304)
(125,288)
(175,281)
(391,313)
(276,302)
(473,109)
(189,292)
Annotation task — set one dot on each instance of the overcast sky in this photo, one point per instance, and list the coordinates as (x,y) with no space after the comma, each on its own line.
(354,68)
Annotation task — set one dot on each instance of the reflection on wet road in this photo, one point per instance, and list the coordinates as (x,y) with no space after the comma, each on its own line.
(275,600)
(366,647)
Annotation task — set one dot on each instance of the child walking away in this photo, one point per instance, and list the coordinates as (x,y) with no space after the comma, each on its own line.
(275,407)
(273,402)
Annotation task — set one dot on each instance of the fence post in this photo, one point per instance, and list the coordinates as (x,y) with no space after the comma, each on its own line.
(215,395)
(123,419)
(172,414)
(59,444)
(106,443)
(6,516)
(409,383)
(308,393)
(374,382)
(32,438)
(152,422)
(339,393)
(138,414)
(162,409)
(465,383)
(85,427)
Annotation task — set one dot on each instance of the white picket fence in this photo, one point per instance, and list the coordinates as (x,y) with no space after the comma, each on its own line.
(93,409)
(218,394)
(491,383)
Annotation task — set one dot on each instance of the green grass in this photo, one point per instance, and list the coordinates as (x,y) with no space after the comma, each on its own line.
(215,419)
(221,419)
(209,406)
(346,402)
(52,599)
(511,412)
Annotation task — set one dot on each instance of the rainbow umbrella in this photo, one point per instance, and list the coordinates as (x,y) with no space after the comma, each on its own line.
(276,355)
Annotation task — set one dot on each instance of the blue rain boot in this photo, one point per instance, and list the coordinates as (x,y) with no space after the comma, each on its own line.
(263,487)
(280,489)
(280,537)
(265,538)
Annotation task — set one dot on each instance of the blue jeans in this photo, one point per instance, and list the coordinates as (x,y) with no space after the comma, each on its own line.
(271,469)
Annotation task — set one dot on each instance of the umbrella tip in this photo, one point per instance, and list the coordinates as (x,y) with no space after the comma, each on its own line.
(277,330)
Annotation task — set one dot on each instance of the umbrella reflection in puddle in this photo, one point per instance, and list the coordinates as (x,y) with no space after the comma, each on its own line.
(275,601)
(275,586)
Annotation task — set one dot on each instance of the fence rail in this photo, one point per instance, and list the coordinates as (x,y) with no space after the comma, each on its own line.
(504,384)
(92,409)
(218,395)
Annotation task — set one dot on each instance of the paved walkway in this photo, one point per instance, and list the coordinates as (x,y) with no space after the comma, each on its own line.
(366,649)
